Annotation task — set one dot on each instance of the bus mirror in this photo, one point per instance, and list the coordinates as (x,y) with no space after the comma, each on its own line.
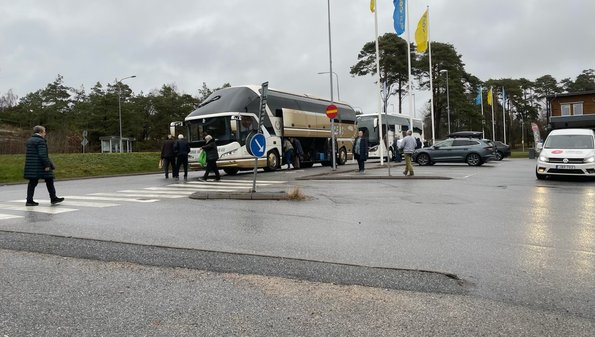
(172,127)
(236,118)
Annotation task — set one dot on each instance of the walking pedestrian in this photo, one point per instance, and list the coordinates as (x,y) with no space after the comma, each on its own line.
(168,156)
(212,155)
(360,151)
(408,146)
(39,166)
(288,151)
(298,152)
(182,149)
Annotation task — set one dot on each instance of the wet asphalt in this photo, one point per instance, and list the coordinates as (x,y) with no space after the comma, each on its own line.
(476,238)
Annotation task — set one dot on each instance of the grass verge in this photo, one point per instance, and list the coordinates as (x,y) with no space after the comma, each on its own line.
(79,165)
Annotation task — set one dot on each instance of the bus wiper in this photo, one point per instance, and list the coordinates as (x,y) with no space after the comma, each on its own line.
(216,98)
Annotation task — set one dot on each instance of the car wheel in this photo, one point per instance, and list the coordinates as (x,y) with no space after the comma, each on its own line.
(232,171)
(342,157)
(272,161)
(499,155)
(423,159)
(473,159)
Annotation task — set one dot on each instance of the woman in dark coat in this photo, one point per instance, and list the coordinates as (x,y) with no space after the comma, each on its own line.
(212,155)
(39,166)
(360,150)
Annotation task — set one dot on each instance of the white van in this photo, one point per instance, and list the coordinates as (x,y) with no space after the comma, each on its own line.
(567,152)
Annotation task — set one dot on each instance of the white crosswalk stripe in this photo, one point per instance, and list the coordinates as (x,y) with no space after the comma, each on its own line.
(139,195)
(9,216)
(38,209)
(92,197)
(75,203)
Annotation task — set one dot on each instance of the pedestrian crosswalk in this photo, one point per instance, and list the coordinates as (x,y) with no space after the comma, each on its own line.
(15,209)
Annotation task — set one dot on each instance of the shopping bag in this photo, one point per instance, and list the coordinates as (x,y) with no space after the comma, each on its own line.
(160,163)
(202,158)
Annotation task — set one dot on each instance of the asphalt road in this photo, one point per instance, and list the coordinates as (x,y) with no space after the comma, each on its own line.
(491,236)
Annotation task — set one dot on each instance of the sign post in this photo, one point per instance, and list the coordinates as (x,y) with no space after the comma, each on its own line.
(331,112)
(257,142)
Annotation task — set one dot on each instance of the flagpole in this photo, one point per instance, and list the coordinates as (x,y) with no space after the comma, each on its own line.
(409,65)
(483,122)
(493,118)
(378,98)
(431,76)
(504,114)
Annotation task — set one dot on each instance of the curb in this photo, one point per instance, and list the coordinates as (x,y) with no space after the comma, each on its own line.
(240,195)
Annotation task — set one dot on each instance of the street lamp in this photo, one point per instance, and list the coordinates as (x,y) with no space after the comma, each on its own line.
(118,83)
(447,99)
(337,76)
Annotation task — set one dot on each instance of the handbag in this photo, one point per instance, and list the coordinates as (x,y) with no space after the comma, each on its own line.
(160,163)
(202,158)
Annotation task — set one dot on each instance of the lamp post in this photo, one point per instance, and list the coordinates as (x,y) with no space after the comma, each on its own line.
(447,99)
(120,105)
(337,76)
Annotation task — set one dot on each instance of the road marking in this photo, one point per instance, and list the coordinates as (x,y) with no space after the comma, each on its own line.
(76,203)
(91,197)
(9,216)
(170,191)
(234,183)
(138,195)
(38,209)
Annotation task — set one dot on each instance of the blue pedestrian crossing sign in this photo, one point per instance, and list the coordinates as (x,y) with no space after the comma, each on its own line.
(257,145)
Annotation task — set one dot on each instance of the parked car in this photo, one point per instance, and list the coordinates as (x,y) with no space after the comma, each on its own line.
(502,150)
(567,152)
(474,152)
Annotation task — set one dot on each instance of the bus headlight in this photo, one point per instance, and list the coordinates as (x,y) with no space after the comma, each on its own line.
(590,160)
(543,158)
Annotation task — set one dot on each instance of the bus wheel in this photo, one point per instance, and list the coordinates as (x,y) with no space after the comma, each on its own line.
(232,171)
(272,161)
(342,157)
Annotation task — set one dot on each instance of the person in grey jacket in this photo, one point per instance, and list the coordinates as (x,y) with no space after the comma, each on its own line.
(39,166)
(408,146)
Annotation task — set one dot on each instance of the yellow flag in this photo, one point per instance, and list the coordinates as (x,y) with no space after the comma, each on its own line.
(372,5)
(490,98)
(421,33)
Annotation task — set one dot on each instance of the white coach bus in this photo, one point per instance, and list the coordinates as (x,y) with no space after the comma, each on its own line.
(393,127)
(229,115)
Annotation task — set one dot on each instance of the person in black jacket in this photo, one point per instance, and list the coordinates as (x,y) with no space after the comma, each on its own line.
(182,149)
(360,151)
(168,156)
(212,155)
(39,166)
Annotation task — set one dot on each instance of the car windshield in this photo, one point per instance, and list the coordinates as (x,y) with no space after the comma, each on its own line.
(569,142)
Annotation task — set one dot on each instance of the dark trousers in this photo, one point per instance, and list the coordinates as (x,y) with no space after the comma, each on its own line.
(360,164)
(167,161)
(181,161)
(49,183)
(211,167)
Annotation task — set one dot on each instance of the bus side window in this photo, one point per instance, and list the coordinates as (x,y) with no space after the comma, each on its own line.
(278,112)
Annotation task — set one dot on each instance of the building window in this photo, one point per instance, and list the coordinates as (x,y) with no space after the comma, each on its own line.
(565,108)
(577,108)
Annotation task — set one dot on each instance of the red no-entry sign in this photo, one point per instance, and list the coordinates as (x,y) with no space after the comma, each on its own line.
(331,111)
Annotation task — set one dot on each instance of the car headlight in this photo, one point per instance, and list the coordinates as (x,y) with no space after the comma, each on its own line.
(543,158)
(590,160)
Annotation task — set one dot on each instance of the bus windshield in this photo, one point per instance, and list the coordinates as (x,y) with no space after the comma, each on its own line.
(224,129)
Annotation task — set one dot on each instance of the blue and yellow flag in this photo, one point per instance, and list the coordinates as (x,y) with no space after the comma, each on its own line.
(399,16)
(372,5)
(421,33)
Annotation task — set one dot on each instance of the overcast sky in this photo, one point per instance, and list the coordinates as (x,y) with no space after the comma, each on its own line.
(285,42)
